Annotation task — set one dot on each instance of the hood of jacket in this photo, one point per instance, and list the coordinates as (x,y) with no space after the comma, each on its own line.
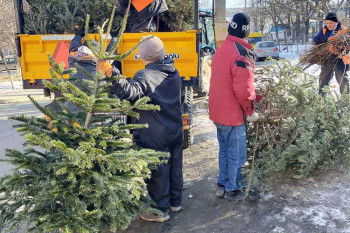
(166,65)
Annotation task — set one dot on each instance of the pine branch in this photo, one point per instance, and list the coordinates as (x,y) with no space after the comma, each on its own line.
(45,111)
(129,52)
(121,30)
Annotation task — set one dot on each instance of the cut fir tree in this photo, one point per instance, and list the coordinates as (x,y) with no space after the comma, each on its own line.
(80,171)
(300,132)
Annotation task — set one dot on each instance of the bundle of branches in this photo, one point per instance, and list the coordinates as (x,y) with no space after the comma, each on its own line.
(300,132)
(320,54)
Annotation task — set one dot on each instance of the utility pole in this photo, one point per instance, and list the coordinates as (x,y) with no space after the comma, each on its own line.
(18,4)
(220,21)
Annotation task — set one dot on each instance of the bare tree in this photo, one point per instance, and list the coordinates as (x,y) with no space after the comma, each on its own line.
(257,13)
(7,30)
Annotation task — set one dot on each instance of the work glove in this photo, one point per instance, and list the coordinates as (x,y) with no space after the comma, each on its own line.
(105,68)
(331,38)
(253,118)
(331,47)
(80,33)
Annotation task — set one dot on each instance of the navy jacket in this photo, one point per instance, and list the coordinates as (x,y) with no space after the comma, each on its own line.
(159,80)
(87,62)
(322,38)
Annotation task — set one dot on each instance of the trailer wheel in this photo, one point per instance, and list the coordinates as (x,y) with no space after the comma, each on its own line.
(204,75)
(187,108)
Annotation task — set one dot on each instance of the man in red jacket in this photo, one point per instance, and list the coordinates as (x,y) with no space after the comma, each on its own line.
(231,101)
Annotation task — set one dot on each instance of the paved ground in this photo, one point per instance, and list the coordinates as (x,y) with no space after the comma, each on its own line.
(315,205)
(9,138)
(10,96)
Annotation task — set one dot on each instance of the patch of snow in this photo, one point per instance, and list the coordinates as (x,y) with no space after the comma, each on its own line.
(279,217)
(267,196)
(278,230)
(5,86)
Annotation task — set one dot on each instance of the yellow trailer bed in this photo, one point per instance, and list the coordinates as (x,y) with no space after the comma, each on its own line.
(181,46)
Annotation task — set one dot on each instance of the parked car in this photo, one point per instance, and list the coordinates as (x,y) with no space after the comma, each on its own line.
(11,63)
(265,49)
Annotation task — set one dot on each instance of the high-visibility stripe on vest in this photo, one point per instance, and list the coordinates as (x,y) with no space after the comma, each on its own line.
(346,59)
(141,4)
(84,58)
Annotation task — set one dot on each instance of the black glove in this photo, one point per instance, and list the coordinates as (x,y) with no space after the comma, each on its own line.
(80,33)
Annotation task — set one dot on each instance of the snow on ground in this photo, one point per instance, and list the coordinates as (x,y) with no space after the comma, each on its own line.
(5,86)
(293,53)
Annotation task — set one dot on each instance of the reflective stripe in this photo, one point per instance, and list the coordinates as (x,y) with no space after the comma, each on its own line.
(73,54)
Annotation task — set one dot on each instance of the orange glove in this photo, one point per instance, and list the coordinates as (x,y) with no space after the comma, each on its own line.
(331,38)
(331,47)
(105,68)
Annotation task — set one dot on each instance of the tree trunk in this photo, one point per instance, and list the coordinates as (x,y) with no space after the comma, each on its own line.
(7,68)
(297,29)
(307,22)
(307,26)
(276,31)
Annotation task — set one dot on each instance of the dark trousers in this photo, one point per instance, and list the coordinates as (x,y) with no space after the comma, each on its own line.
(341,75)
(166,182)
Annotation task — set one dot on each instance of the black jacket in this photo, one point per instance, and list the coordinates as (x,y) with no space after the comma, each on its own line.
(161,81)
(139,21)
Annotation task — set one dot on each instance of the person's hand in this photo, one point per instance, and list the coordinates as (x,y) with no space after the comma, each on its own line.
(80,33)
(105,68)
(331,38)
(333,49)
(253,118)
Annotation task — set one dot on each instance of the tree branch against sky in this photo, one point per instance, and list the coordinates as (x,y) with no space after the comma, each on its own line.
(7,25)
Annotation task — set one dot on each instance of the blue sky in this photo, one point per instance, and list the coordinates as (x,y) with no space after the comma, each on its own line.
(234,3)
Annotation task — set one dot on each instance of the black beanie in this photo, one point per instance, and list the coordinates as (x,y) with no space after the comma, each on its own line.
(239,25)
(332,16)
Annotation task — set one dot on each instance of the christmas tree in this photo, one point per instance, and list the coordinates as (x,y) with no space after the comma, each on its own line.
(68,16)
(179,17)
(300,132)
(80,171)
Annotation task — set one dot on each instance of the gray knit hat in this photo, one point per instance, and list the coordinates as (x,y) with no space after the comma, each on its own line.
(152,49)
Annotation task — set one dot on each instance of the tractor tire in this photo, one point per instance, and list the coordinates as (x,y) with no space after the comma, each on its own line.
(188,108)
(204,75)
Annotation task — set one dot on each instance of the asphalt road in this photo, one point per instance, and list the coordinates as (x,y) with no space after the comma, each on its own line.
(9,137)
